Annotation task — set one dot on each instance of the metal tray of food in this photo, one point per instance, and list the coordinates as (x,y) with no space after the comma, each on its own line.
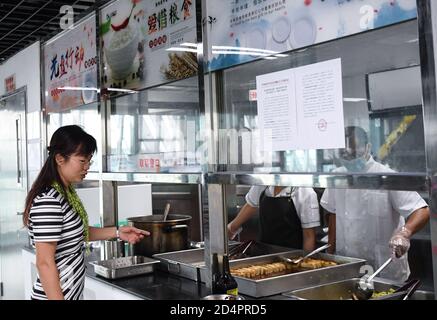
(124,267)
(191,263)
(346,268)
(342,290)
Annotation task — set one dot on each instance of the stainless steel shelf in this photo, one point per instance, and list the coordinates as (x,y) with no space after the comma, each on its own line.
(393,181)
(178,178)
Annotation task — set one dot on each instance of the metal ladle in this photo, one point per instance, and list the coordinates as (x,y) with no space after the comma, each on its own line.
(364,288)
(296,261)
(166,210)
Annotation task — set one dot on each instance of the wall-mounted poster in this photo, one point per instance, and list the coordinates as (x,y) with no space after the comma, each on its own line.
(70,68)
(148,42)
(244,30)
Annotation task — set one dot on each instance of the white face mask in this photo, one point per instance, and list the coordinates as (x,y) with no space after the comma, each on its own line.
(358,164)
(355,165)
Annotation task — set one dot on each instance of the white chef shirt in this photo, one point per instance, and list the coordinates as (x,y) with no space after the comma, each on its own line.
(304,199)
(366,220)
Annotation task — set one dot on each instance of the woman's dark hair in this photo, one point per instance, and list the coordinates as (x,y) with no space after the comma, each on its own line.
(65,141)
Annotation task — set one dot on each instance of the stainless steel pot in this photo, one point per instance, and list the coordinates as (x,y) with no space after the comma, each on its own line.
(166,236)
(113,248)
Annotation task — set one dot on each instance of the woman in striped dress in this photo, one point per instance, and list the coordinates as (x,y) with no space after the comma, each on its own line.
(57,221)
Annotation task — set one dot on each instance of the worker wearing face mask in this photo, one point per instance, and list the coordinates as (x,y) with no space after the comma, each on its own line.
(372,224)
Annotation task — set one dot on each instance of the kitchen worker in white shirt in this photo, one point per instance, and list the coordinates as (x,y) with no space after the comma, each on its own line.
(287,216)
(372,224)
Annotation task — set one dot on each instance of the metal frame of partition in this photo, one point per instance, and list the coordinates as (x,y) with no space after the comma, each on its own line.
(427,18)
(213,183)
(217,181)
(316,180)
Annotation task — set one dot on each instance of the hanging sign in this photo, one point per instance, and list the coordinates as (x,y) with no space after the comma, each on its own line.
(70,68)
(147,43)
(244,30)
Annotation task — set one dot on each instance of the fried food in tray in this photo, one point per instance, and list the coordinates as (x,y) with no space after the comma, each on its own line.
(267,270)
(310,263)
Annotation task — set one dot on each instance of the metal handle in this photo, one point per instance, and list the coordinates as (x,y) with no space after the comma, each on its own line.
(167,229)
(173,267)
(179,226)
(166,210)
(411,290)
(380,269)
(17,131)
(317,250)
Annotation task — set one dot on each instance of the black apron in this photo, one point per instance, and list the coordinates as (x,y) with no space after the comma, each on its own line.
(279,223)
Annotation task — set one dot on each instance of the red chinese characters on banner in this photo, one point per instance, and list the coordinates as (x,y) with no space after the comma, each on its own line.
(149,164)
(10,84)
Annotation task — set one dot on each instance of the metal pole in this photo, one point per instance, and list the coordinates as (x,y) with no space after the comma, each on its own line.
(427,19)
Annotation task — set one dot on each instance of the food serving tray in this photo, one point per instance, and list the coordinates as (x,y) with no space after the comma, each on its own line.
(342,290)
(124,267)
(347,268)
(191,263)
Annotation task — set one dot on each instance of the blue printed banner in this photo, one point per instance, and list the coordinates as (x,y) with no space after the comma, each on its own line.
(244,30)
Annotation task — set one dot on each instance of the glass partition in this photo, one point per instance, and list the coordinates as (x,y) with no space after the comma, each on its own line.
(87,116)
(156,130)
(365,222)
(381,93)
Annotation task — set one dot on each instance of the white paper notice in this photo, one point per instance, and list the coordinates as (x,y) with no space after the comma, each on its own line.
(319,100)
(277,110)
(302,108)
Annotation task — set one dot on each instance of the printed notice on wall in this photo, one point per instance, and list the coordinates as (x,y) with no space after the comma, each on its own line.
(277,110)
(302,108)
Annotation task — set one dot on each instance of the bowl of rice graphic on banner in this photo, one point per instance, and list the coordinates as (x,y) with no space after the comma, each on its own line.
(121,51)
(303,30)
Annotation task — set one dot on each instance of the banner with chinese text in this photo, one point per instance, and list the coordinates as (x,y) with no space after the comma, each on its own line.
(243,30)
(70,68)
(148,42)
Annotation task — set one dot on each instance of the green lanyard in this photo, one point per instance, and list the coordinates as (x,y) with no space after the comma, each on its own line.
(74,201)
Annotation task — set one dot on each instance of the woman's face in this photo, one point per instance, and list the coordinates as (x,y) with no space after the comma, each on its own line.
(73,168)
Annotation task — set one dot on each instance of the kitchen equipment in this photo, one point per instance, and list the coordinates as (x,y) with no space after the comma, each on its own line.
(342,290)
(409,288)
(364,288)
(197,244)
(191,263)
(296,261)
(113,248)
(222,297)
(124,267)
(166,210)
(166,236)
(239,251)
(347,268)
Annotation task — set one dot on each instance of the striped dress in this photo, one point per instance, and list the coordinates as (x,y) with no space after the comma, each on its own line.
(52,219)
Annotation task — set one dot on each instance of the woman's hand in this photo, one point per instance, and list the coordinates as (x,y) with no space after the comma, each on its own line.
(131,234)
